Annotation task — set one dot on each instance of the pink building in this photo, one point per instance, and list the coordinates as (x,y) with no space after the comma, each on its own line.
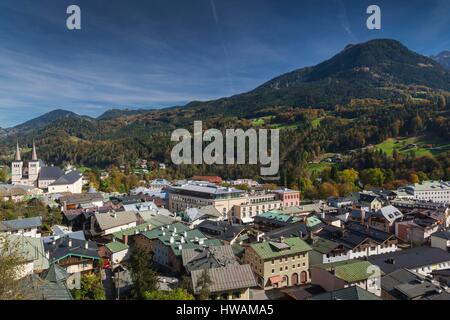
(289,198)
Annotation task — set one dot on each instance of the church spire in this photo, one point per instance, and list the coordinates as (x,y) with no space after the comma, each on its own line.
(18,158)
(34,155)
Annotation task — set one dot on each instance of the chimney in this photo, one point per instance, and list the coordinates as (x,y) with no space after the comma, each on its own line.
(70,243)
(125,239)
(172,240)
(86,245)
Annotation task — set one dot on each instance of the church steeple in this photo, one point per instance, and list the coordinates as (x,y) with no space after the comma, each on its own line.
(18,157)
(34,155)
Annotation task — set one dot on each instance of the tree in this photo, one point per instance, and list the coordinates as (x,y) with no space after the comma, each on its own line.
(373,177)
(204,283)
(177,294)
(327,190)
(11,263)
(348,176)
(91,288)
(3,175)
(144,277)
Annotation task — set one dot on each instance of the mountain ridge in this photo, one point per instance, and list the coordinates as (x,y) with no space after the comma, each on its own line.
(376,69)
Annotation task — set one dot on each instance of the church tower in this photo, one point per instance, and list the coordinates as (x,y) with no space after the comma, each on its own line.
(34,167)
(17,167)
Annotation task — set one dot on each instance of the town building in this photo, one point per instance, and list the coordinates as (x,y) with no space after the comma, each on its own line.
(29,227)
(39,175)
(434,191)
(344,274)
(232,282)
(279,264)
(422,260)
(201,194)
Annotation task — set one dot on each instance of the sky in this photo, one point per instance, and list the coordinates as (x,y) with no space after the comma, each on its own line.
(162,53)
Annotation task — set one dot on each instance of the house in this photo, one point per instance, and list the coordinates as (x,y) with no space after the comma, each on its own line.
(18,193)
(70,182)
(288,197)
(355,241)
(293,230)
(117,251)
(433,191)
(384,218)
(167,242)
(103,224)
(422,260)
(403,284)
(343,274)
(370,201)
(340,202)
(53,285)
(207,258)
(232,282)
(441,240)
(195,216)
(271,220)
(74,201)
(29,227)
(416,230)
(352,293)
(74,256)
(279,263)
(224,231)
(31,250)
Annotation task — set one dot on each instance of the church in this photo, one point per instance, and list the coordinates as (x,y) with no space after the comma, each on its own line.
(37,174)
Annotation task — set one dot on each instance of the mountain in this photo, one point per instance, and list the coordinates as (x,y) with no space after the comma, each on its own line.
(374,69)
(46,119)
(382,69)
(443,58)
(115,113)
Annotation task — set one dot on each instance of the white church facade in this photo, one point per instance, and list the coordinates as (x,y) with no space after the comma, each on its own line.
(37,174)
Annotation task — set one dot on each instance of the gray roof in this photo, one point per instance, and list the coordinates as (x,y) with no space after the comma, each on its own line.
(64,247)
(19,224)
(442,234)
(81,198)
(68,178)
(31,249)
(404,284)
(50,173)
(390,213)
(353,293)
(36,288)
(410,258)
(110,220)
(207,258)
(226,279)
(292,230)
(207,211)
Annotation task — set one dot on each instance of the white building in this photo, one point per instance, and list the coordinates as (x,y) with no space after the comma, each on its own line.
(70,182)
(435,191)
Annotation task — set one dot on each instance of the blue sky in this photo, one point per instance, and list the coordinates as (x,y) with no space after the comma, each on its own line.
(158,53)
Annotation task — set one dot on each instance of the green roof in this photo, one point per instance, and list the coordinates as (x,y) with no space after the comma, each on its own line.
(350,270)
(156,233)
(182,236)
(276,215)
(324,246)
(270,250)
(131,231)
(116,246)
